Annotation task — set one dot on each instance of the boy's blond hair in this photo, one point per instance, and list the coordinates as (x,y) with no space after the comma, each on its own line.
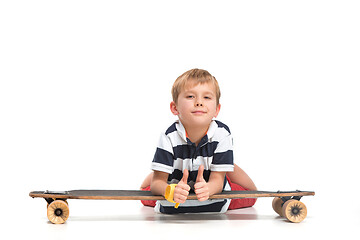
(194,76)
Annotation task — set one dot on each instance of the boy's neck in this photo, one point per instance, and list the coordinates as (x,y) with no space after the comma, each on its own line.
(195,134)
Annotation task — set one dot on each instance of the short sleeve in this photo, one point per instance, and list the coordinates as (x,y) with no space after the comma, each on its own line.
(223,159)
(164,157)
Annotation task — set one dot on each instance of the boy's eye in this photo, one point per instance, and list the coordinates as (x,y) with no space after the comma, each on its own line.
(190,96)
(207,97)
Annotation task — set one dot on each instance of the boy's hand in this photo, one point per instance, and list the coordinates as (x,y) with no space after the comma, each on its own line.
(201,186)
(182,189)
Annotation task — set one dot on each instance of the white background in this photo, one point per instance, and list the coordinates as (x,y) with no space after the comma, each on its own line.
(85,92)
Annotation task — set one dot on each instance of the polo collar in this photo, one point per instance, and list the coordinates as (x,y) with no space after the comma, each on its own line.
(182,132)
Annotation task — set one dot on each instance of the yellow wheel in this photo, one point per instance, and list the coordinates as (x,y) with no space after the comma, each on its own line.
(294,210)
(58,212)
(277,204)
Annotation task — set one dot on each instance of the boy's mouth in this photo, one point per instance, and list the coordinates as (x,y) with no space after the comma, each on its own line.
(198,112)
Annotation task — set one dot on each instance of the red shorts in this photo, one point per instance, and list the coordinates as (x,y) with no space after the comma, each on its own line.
(234,204)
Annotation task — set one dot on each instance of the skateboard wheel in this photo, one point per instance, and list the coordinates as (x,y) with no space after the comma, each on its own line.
(277,204)
(63,200)
(58,212)
(294,210)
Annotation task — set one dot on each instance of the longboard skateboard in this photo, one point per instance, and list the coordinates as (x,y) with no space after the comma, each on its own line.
(286,204)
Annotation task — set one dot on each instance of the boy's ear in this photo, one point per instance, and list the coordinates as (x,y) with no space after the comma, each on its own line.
(217,110)
(173,108)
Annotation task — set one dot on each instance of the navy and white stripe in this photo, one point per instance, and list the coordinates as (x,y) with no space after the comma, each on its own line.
(175,152)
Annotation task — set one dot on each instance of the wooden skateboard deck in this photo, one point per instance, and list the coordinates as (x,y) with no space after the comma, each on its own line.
(286,204)
(147,195)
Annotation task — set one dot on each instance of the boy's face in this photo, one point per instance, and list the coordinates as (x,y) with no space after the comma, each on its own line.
(196,105)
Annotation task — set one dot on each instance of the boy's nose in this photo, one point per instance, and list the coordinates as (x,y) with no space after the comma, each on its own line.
(199,104)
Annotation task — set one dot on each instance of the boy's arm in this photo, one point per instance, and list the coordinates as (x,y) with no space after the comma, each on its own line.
(216,182)
(159,183)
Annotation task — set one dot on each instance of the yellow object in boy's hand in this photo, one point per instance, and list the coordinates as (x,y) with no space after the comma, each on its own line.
(180,190)
(169,194)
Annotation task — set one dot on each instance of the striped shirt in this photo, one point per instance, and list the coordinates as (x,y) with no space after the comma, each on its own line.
(175,152)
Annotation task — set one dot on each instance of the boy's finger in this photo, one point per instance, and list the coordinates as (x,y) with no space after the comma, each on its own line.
(199,185)
(186,188)
(183,192)
(185,176)
(199,189)
(200,177)
(203,198)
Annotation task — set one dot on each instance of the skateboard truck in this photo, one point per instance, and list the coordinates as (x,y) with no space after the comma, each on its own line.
(287,198)
(50,199)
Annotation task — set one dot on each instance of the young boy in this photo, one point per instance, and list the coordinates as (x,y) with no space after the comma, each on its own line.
(196,151)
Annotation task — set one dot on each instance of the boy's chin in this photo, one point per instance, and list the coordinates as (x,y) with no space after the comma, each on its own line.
(200,122)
